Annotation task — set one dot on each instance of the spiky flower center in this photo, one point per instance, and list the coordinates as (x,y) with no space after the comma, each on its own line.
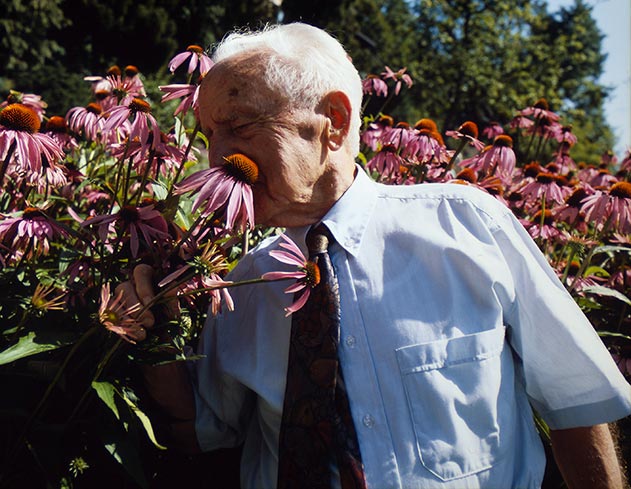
(503,140)
(469,128)
(194,48)
(114,71)
(32,213)
(577,196)
(545,178)
(426,124)
(129,214)
(242,168)
(547,217)
(312,274)
(386,120)
(542,103)
(131,70)
(93,108)
(621,189)
(468,175)
(139,105)
(19,117)
(56,124)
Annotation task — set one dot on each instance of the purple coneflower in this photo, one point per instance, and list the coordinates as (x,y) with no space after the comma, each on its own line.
(468,131)
(140,110)
(118,318)
(30,233)
(372,84)
(385,162)
(190,93)
(612,207)
(226,186)
(142,221)
(57,128)
(30,100)
(210,264)
(545,185)
(399,76)
(20,139)
(307,275)
(498,159)
(493,130)
(86,121)
(196,57)
(48,298)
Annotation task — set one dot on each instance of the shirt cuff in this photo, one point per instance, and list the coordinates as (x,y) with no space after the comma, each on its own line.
(589,414)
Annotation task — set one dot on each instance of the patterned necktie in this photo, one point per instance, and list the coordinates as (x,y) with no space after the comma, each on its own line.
(317,430)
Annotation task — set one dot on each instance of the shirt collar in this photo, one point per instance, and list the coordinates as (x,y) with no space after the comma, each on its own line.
(348,218)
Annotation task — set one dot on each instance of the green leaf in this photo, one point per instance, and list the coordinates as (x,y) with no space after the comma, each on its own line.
(606,291)
(595,270)
(36,342)
(106,392)
(611,248)
(144,419)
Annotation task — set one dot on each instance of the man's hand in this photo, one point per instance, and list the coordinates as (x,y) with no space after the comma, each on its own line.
(168,385)
(140,290)
(587,457)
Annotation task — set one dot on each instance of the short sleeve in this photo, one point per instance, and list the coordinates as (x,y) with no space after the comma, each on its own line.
(568,373)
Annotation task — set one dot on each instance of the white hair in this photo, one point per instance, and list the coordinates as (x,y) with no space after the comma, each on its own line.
(306,64)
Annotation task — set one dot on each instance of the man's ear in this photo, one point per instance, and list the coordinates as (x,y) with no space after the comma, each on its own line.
(338,113)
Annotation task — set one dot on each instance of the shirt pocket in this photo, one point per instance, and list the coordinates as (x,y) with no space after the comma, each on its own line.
(454,388)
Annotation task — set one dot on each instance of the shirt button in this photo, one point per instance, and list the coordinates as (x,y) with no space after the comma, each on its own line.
(368,421)
(350,341)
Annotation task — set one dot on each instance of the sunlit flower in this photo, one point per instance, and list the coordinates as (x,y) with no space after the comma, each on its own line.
(372,84)
(226,186)
(196,57)
(386,161)
(400,77)
(540,110)
(611,208)
(209,264)
(564,134)
(374,133)
(570,211)
(125,88)
(426,145)
(541,225)
(498,159)
(57,128)
(469,132)
(118,318)
(30,233)
(140,111)
(545,185)
(189,94)
(493,130)
(135,222)
(19,126)
(307,275)
(397,136)
(86,121)
(30,100)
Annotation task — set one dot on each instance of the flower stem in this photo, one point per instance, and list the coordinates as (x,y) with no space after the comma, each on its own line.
(184,158)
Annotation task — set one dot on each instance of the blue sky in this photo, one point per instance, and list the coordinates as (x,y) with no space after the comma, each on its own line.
(614,20)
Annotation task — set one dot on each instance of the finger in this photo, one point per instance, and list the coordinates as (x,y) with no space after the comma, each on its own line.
(143,280)
(130,299)
(172,304)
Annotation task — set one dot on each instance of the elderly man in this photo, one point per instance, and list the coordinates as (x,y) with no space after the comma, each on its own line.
(450,325)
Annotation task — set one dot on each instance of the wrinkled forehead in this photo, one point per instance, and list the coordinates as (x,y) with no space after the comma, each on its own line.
(238,83)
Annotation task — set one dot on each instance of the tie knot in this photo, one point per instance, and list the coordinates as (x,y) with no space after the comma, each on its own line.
(318,239)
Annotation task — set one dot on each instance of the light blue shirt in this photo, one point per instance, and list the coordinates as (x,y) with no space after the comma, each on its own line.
(453,324)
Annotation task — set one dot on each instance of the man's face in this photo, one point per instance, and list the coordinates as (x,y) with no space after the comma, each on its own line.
(240,114)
